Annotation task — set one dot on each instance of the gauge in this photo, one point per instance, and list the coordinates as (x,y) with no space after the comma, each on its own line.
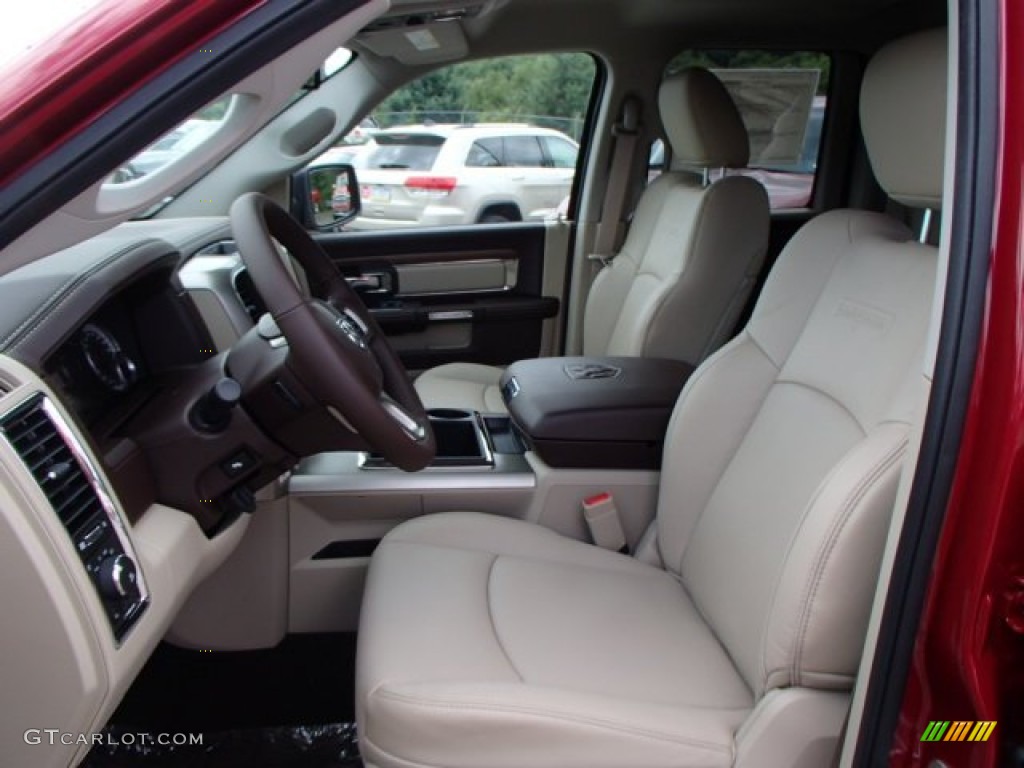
(105,358)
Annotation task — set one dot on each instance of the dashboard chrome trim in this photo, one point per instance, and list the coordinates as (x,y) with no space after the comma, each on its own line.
(96,482)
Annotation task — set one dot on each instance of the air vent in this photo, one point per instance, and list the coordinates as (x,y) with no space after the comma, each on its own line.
(34,436)
(47,446)
(249,296)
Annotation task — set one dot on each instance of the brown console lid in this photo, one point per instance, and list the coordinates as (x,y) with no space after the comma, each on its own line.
(598,412)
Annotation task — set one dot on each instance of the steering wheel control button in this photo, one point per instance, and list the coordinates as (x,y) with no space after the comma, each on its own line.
(212,412)
(239,463)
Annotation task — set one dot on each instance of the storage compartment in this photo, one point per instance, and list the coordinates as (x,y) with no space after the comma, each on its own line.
(461,441)
(595,412)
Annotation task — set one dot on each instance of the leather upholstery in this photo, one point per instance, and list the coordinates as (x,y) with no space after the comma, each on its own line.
(904,96)
(492,642)
(711,136)
(785,451)
(489,641)
(689,262)
(462,385)
(678,285)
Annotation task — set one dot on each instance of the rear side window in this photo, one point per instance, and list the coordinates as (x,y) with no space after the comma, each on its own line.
(782,97)
(562,153)
(523,152)
(404,151)
(486,153)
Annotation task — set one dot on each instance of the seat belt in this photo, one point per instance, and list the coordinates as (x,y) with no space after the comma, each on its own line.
(609,230)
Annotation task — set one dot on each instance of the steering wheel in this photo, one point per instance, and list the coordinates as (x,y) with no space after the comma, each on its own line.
(335,345)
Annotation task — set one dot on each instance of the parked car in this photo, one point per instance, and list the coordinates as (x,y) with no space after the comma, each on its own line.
(171,146)
(435,175)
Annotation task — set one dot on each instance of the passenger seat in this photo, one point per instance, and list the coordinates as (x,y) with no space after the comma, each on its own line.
(694,249)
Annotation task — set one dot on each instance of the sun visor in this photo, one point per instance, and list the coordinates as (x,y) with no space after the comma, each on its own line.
(418,44)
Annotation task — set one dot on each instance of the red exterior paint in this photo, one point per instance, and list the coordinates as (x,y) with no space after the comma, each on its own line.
(64,85)
(968,662)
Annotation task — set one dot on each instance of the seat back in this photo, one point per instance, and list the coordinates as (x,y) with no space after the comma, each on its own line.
(693,252)
(785,448)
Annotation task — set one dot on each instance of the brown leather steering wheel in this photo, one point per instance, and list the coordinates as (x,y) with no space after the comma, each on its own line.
(335,345)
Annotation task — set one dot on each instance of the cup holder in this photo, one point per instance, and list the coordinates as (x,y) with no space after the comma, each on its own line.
(461,441)
(448,414)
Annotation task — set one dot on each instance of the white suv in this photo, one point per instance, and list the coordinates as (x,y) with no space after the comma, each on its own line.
(432,175)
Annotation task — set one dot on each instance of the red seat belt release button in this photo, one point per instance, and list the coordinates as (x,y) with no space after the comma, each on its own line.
(602,519)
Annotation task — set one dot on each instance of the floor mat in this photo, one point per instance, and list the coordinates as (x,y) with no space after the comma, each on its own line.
(306,679)
(318,746)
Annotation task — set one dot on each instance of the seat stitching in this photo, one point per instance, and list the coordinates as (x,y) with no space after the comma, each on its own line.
(529,559)
(67,289)
(702,371)
(494,624)
(437,704)
(828,546)
(828,396)
(765,672)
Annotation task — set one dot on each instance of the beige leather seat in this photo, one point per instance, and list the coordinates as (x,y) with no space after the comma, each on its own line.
(493,642)
(692,255)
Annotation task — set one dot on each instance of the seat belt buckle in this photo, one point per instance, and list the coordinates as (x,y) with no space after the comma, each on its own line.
(602,517)
(604,258)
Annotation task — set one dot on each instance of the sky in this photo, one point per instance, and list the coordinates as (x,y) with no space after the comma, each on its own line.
(25,24)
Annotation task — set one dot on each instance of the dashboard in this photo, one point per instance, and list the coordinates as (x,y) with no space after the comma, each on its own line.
(115,361)
(104,349)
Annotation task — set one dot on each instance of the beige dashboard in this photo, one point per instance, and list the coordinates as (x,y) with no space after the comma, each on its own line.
(64,667)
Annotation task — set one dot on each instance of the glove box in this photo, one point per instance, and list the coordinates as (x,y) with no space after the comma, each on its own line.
(594,412)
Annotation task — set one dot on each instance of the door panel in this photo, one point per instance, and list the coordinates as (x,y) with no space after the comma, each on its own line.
(462,294)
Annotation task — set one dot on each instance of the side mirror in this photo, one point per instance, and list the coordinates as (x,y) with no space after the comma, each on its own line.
(325,197)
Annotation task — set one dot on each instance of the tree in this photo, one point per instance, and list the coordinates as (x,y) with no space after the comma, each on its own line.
(548,89)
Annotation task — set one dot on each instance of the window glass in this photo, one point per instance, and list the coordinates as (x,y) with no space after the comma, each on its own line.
(782,98)
(176,143)
(523,152)
(455,147)
(485,153)
(563,154)
(404,151)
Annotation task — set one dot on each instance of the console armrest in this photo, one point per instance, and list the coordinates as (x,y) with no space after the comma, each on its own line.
(595,411)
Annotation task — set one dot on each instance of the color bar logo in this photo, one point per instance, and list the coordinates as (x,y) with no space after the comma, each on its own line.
(959,730)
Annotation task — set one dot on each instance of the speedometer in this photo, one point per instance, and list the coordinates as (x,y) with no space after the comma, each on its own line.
(108,362)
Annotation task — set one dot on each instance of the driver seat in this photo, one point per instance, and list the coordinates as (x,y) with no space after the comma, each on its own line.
(492,642)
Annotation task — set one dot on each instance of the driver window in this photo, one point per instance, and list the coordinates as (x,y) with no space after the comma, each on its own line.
(473,143)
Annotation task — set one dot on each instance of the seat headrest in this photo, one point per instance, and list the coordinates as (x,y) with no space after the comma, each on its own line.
(701,121)
(903,117)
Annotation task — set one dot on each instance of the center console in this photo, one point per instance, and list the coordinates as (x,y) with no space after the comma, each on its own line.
(576,427)
(465,439)
(595,412)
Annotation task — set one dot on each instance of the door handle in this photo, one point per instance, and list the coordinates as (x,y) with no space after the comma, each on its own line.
(370,282)
(450,315)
